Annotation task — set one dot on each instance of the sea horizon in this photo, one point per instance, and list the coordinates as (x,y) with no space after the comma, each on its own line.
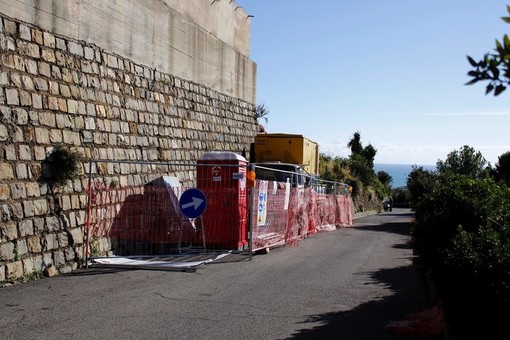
(399,172)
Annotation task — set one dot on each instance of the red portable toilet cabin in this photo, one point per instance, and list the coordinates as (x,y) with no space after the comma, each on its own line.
(222,178)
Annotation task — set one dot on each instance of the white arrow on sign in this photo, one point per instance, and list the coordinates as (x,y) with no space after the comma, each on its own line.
(195,203)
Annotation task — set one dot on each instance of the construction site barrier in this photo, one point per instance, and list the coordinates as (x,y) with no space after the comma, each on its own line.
(139,212)
(284,214)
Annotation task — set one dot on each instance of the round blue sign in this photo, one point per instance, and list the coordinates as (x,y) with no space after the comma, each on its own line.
(192,203)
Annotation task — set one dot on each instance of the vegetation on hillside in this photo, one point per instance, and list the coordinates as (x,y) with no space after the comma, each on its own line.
(462,236)
(357,170)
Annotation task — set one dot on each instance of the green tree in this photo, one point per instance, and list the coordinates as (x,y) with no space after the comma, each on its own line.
(420,183)
(361,169)
(465,161)
(494,67)
(355,144)
(503,168)
(368,154)
(385,178)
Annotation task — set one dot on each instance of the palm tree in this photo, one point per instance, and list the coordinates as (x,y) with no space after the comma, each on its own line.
(261,112)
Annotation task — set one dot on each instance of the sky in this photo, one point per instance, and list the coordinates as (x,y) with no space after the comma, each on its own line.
(392,70)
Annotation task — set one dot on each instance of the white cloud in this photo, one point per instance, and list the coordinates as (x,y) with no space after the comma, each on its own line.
(414,154)
(461,114)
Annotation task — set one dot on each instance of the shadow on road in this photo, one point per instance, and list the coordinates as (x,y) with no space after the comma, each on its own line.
(400,228)
(367,321)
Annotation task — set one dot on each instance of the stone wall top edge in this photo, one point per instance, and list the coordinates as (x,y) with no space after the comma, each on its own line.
(154,74)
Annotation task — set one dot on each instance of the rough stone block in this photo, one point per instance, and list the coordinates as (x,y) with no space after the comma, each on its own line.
(76,235)
(34,244)
(79,123)
(18,190)
(53,103)
(38,262)
(61,44)
(50,271)
(25,98)
(80,217)
(28,208)
(20,248)
(31,66)
(33,189)
(28,266)
(56,136)
(65,202)
(38,225)
(75,48)
(63,239)
(47,258)
(52,223)
(14,270)
(47,118)
(21,171)
(50,242)
(9,232)
(37,101)
(26,227)
(16,210)
(48,55)
(42,136)
(7,251)
(87,137)
(24,153)
(49,39)
(44,69)
(5,192)
(65,91)
(71,137)
(4,133)
(59,258)
(6,171)
(72,106)
(39,153)
(21,116)
(89,53)
(41,207)
(12,97)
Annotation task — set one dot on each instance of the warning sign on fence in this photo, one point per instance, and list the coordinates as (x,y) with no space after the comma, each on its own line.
(262,204)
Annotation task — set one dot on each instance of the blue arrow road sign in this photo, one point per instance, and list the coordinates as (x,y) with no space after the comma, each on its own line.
(192,203)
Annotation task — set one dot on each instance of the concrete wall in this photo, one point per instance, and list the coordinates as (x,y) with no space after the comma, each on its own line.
(198,40)
(58,90)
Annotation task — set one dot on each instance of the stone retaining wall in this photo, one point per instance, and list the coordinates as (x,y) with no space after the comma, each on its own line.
(56,90)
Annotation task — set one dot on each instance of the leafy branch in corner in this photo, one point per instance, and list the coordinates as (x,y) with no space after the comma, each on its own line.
(494,67)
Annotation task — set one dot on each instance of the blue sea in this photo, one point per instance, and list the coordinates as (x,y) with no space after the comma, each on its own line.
(399,172)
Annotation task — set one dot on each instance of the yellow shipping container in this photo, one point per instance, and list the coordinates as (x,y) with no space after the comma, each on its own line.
(287,148)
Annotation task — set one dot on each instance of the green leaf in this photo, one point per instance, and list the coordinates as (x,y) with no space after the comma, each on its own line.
(473,73)
(489,89)
(499,47)
(472,81)
(506,19)
(472,61)
(507,41)
(499,89)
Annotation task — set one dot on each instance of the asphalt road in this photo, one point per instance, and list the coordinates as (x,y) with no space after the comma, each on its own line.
(344,284)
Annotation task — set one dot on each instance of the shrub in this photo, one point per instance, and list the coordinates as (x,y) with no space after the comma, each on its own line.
(462,233)
(64,164)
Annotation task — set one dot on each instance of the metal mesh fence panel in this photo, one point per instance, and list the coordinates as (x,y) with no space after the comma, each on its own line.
(283,212)
(138,209)
(140,212)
